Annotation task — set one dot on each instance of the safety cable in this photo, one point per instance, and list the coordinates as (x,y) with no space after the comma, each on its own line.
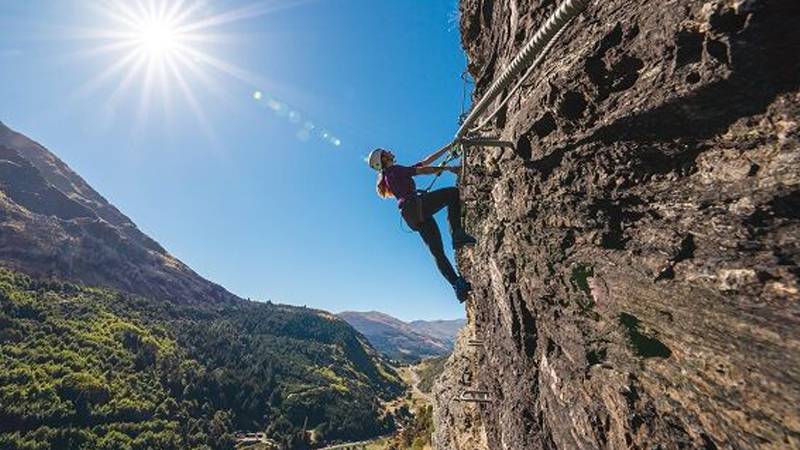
(535,50)
(535,46)
(466,82)
(521,81)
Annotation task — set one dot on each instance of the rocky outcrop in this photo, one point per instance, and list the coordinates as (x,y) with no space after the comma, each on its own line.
(636,279)
(53,224)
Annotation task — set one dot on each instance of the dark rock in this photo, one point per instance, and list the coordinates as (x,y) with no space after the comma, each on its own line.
(637,278)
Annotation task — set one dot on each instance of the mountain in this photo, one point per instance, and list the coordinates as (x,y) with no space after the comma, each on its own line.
(109,342)
(405,342)
(53,224)
(636,281)
(444,330)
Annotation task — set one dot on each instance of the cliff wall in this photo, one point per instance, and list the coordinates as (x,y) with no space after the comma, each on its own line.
(636,277)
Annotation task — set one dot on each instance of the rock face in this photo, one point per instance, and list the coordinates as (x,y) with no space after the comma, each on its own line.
(636,278)
(52,223)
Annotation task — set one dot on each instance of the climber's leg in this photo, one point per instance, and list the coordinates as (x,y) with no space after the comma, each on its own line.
(434,201)
(429,231)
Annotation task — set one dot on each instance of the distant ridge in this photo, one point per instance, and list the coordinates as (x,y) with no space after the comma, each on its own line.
(402,341)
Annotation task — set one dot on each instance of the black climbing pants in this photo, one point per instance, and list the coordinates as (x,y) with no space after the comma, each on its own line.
(418,214)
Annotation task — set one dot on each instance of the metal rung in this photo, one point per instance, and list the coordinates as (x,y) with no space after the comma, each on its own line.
(486,142)
(475,343)
(473,396)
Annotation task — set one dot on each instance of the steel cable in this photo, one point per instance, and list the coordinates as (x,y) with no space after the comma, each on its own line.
(536,46)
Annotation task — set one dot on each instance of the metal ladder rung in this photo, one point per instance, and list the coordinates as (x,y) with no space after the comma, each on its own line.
(474,396)
(475,343)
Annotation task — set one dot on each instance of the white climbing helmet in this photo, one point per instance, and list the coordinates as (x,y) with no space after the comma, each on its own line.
(376,159)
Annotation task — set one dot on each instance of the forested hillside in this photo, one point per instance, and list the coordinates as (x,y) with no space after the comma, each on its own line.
(92,368)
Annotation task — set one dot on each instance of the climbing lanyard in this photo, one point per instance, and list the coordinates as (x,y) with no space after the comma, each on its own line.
(454,153)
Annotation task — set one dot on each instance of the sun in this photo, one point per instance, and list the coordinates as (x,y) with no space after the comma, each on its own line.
(158,38)
(166,58)
(166,51)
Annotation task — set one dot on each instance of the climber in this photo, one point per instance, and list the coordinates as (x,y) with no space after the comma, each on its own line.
(418,207)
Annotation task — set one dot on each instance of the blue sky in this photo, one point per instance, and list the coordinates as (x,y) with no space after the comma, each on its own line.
(253,193)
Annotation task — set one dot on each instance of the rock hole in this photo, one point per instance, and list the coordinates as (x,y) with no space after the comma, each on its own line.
(523,147)
(515,324)
(595,66)
(552,96)
(728,21)
(596,70)
(580,278)
(529,330)
(573,105)
(764,276)
(487,12)
(595,357)
(686,250)
(690,48)
(718,50)
(626,73)
(632,33)
(708,444)
(693,78)
(667,273)
(568,241)
(644,346)
(528,421)
(519,38)
(502,115)
(544,126)
(551,347)
(611,40)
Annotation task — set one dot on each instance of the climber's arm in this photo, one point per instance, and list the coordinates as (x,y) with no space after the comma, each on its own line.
(433,157)
(436,170)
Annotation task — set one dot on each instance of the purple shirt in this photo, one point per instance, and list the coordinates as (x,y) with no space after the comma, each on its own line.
(401,182)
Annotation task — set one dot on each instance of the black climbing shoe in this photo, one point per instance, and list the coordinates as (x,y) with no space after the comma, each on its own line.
(462,288)
(461,238)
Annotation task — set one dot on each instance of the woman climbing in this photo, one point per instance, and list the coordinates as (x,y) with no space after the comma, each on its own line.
(418,208)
